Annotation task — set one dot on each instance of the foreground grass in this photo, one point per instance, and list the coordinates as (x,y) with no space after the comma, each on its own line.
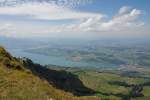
(19,85)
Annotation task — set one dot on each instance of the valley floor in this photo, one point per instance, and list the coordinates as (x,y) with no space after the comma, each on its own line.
(115,84)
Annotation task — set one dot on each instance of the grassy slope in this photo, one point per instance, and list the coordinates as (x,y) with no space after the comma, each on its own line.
(101,83)
(17,83)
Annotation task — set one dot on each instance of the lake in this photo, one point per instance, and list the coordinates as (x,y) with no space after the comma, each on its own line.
(59,61)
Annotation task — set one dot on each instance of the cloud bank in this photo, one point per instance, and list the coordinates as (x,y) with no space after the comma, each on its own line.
(63,3)
(45,11)
(127,18)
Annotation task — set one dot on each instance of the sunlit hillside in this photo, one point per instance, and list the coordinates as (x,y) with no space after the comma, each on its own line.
(18,83)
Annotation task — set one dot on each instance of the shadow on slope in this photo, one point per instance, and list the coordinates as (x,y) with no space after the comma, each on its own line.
(60,79)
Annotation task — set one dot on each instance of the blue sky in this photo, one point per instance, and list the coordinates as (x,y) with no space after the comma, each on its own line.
(74,18)
(111,6)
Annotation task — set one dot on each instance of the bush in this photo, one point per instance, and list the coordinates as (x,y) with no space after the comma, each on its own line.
(6,62)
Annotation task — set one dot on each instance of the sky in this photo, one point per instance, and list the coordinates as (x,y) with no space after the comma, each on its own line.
(75,18)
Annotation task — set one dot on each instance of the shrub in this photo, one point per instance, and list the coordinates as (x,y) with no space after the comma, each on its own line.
(6,61)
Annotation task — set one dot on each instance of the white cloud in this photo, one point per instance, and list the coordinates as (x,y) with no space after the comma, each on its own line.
(65,3)
(5,26)
(46,11)
(125,19)
(5,29)
(124,9)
